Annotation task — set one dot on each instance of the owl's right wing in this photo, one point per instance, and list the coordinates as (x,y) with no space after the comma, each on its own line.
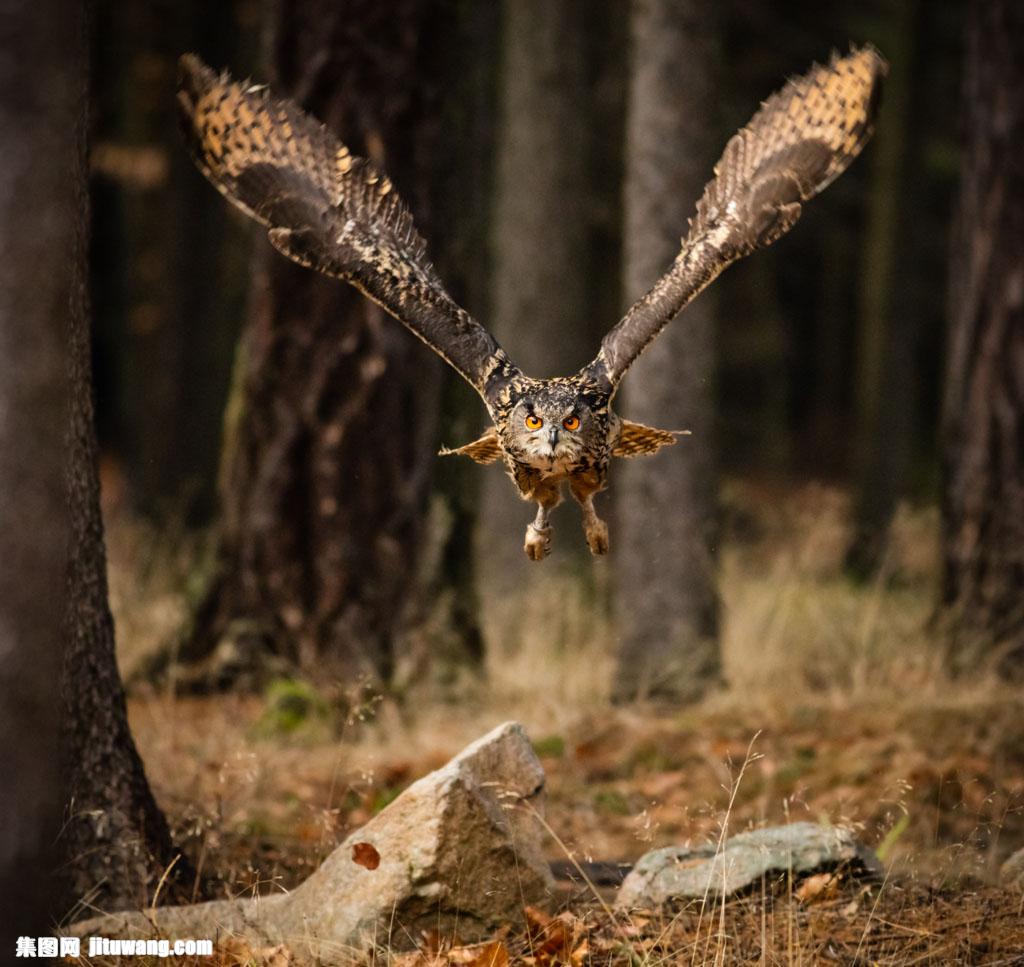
(803,137)
(326,209)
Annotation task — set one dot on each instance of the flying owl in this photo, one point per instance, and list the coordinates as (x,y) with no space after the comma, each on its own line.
(338,214)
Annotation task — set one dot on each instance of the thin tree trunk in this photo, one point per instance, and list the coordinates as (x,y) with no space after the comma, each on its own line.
(115,839)
(40,113)
(331,428)
(886,379)
(462,44)
(170,272)
(983,408)
(543,294)
(666,604)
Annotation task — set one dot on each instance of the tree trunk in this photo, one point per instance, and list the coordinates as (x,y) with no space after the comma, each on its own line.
(983,500)
(463,45)
(115,839)
(332,423)
(40,112)
(544,291)
(666,604)
(889,324)
(170,271)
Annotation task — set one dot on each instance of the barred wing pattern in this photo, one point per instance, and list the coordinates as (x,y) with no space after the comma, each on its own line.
(325,209)
(797,144)
(632,440)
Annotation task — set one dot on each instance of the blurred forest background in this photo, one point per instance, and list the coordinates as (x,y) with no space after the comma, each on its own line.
(835,555)
(552,169)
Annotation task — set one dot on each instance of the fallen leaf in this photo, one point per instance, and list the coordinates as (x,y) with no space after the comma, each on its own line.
(536,919)
(493,955)
(821,886)
(415,958)
(236,952)
(580,954)
(550,938)
(279,956)
(365,855)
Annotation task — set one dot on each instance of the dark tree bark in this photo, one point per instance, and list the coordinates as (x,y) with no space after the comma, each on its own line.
(41,50)
(463,45)
(889,324)
(666,603)
(170,272)
(115,841)
(331,428)
(983,409)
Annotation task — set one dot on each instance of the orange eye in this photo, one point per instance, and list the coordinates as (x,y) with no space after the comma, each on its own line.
(571,423)
(534,422)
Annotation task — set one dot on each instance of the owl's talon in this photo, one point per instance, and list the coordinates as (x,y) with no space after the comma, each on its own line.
(597,537)
(538,542)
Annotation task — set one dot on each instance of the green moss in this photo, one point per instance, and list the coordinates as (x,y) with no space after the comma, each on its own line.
(611,801)
(290,704)
(384,797)
(550,747)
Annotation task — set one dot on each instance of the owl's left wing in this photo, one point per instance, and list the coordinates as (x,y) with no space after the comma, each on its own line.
(801,139)
(326,209)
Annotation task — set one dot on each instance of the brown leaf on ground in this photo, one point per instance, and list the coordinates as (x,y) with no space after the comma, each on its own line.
(279,956)
(536,920)
(551,939)
(821,886)
(417,958)
(366,855)
(235,952)
(493,955)
(581,953)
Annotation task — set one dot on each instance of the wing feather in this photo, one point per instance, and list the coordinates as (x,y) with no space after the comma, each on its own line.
(485,450)
(797,144)
(636,439)
(326,209)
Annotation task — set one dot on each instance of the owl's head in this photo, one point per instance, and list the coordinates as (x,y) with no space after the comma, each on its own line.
(550,428)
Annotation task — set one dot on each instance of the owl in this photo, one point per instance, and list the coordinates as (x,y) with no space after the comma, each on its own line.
(339,215)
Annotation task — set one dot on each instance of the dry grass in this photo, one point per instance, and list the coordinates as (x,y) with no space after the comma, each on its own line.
(856,722)
(795,624)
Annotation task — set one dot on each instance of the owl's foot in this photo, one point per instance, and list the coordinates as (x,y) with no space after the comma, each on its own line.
(597,536)
(538,542)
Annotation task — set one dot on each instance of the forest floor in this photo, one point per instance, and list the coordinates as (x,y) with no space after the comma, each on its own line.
(835,709)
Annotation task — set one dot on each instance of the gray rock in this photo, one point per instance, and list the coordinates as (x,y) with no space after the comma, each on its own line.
(1011,873)
(679,873)
(459,851)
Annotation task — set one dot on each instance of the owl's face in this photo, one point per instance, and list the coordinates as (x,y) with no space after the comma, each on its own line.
(551,430)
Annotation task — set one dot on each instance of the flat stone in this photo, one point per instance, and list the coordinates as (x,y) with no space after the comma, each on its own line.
(459,851)
(680,873)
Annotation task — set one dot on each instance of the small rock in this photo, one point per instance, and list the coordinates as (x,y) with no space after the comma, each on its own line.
(458,851)
(1011,873)
(677,872)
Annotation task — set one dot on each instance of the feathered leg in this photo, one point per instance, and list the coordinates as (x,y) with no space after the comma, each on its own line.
(538,534)
(583,489)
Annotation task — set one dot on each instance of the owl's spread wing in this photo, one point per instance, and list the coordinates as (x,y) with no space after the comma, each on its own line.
(801,139)
(326,209)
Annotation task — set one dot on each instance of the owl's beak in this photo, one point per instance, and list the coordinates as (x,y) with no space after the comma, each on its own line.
(553,437)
